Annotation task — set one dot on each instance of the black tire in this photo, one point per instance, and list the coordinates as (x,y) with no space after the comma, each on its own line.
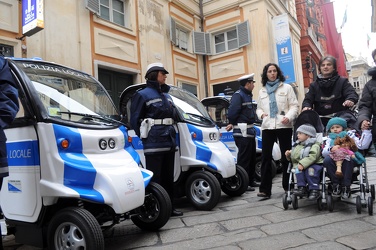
(258,168)
(358,205)
(373,191)
(294,200)
(329,202)
(236,185)
(203,190)
(76,227)
(284,201)
(319,204)
(156,210)
(370,205)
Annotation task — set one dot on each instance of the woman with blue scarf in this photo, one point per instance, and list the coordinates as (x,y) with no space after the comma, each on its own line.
(278,108)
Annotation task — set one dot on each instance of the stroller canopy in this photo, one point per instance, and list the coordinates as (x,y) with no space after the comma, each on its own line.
(309,117)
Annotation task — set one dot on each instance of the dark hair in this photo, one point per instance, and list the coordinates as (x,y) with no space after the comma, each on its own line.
(373,54)
(264,77)
(152,76)
(330,59)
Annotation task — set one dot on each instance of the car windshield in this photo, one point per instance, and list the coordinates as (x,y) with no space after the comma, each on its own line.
(190,108)
(71,95)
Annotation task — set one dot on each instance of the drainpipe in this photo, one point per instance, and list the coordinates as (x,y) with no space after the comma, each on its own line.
(204,56)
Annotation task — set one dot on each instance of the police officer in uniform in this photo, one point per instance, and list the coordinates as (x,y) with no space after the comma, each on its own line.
(241,116)
(152,107)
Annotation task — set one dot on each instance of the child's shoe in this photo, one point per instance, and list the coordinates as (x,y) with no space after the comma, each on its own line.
(301,191)
(336,190)
(346,192)
(314,195)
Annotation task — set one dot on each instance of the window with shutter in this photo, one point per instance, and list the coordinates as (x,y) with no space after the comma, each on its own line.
(179,35)
(231,39)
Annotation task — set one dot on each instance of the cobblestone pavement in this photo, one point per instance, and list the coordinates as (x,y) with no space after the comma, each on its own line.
(247,222)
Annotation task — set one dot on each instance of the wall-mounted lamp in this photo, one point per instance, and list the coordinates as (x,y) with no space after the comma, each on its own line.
(308,64)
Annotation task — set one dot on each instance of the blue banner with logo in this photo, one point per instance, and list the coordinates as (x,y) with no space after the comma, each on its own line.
(283,46)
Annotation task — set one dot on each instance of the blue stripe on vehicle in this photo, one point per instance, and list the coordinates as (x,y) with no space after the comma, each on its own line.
(146,176)
(259,141)
(203,153)
(23,153)
(227,136)
(128,146)
(79,173)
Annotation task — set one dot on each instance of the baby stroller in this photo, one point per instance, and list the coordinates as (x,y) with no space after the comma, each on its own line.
(306,117)
(360,182)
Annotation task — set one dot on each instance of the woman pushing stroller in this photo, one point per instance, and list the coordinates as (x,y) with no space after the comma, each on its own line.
(306,158)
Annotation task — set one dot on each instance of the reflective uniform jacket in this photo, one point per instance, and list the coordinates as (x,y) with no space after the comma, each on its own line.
(241,110)
(154,102)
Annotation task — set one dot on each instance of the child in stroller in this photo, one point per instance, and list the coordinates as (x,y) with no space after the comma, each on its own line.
(340,183)
(306,158)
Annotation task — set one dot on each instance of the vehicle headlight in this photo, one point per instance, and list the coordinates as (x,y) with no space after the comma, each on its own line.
(213,136)
(102,144)
(111,143)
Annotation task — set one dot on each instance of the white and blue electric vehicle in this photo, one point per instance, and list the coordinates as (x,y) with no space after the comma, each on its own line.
(203,164)
(72,170)
(217,107)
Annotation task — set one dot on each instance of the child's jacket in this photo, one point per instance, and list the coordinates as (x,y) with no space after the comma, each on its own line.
(306,153)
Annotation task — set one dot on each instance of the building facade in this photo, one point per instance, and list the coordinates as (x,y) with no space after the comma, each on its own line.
(204,44)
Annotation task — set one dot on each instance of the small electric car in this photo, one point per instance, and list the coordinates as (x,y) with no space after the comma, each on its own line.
(217,107)
(203,164)
(72,170)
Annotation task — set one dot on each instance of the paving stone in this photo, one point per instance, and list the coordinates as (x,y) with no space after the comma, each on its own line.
(338,229)
(329,245)
(275,242)
(365,240)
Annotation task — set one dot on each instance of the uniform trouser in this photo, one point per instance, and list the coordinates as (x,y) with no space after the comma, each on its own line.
(347,171)
(310,176)
(247,155)
(162,166)
(269,136)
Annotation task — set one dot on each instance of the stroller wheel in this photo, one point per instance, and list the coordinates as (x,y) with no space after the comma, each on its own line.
(373,191)
(319,204)
(358,205)
(285,202)
(294,200)
(370,205)
(329,200)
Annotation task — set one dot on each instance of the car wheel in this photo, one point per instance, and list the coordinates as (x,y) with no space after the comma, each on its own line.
(156,210)
(74,227)
(203,190)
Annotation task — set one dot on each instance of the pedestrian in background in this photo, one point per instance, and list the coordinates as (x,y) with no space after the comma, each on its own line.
(153,109)
(9,107)
(277,107)
(367,103)
(329,93)
(241,116)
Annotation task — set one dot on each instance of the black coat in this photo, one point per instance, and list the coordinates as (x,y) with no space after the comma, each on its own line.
(326,96)
(367,104)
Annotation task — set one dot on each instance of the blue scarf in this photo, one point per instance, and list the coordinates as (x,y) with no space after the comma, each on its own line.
(334,136)
(270,89)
